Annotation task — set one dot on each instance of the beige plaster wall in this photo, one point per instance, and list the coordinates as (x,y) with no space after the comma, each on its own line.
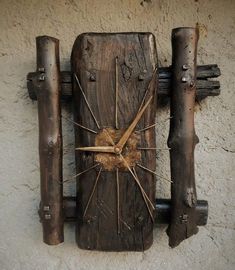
(21,244)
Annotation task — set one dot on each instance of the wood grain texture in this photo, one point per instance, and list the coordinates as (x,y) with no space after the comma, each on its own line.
(50,139)
(93,60)
(182,138)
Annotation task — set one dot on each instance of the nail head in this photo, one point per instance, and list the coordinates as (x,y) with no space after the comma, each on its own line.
(46,207)
(185,67)
(47,216)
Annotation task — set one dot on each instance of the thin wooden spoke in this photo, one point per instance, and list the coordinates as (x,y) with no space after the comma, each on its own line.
(87,103)
(137,181)
(147,169)
(79,125)
(118,202)
(110,138)
(153,125)
(148,127)
(116,92)
(80,173)
(146,203)
(92,193)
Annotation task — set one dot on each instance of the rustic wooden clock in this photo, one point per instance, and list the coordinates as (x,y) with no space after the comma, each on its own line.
(115,143)
(114,83)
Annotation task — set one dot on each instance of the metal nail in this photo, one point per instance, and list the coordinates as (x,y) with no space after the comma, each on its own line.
(184,218)
(41,77)
(184,79)
(141,77)
(47,216)
(89,221)
(92,78)
(192,83)
(185,67)
(41,69)
(46,207)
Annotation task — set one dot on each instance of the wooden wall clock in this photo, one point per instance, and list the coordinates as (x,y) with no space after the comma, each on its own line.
(114,83)
(116,149)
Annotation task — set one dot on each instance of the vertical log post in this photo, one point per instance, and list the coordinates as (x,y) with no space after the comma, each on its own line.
(50,139)
(182,138)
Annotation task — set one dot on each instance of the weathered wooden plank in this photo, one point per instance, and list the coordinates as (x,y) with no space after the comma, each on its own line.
(93,61)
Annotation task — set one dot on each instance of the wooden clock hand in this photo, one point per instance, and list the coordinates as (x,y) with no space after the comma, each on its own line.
(131,128)
(101,149)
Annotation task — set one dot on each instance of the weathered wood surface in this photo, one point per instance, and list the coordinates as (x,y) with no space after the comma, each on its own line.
(182,138)
(50,139)
(93,60)
(163,211)
(204,86)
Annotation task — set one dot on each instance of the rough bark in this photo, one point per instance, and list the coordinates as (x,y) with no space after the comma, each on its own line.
(50,139)
(182,137)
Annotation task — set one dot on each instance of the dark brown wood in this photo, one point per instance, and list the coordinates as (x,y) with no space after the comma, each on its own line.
(203,72)
(182,137)
(93,60)
(70,210)
(50,138)
(163,209)
(205,86)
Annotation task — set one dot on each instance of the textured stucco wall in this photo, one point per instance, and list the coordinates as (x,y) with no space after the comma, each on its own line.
(21,245)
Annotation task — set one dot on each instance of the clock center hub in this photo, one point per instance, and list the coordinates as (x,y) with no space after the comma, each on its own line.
(110,161)
(117,150)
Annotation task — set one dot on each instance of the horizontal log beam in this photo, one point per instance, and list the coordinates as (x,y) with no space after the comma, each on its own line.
(203,72)
(163,208)
(205,86)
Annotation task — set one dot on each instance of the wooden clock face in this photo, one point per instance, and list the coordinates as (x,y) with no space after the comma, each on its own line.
(114,111)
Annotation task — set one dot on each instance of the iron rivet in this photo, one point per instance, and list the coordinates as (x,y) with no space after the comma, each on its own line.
(46,208)
(185,67)
(192,83)
(184,218)
(92,78)
(50,143)
(141,77)
(184,79)
(88,221)
(41,77)
(47,216)
(41,69)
